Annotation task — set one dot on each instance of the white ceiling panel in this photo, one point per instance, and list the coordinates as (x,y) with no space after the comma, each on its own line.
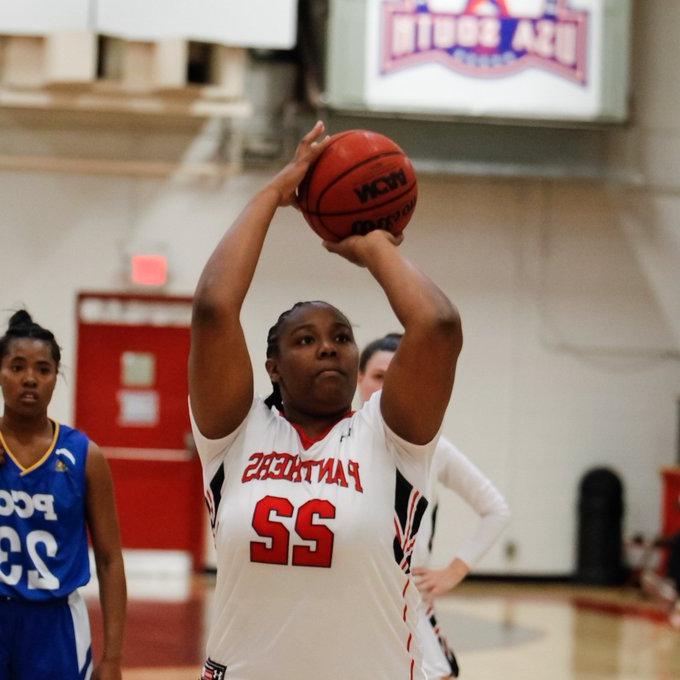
(41,17)
(248,23)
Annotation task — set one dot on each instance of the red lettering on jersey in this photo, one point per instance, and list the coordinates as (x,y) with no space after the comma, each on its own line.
(295,474)
(279,471)
(326,472)
(263,471)
(353,470)
(291,468)
(308,466)
(249,473)
(339,477)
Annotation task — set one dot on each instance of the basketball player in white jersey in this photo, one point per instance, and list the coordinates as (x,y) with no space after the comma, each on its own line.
(315,508)
(453,470)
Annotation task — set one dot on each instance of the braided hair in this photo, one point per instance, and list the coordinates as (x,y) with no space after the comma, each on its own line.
(275,398)
(388,343)
(21,325)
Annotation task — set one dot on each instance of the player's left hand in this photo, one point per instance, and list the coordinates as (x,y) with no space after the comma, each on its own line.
(311,146)
(107,670)
(433,583)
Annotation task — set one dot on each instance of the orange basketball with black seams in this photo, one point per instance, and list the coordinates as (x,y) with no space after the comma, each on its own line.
(361,182)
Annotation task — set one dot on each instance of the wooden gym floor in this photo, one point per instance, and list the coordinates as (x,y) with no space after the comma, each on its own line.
(499,631)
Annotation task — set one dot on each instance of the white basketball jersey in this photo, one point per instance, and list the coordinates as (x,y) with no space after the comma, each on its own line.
(314,541)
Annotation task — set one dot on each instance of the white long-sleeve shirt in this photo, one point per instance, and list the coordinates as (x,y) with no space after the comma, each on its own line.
(454,471)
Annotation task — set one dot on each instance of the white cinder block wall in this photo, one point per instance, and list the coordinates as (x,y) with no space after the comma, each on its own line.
(569,294)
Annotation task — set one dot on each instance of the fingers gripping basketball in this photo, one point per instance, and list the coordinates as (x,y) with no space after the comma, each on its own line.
(361,182)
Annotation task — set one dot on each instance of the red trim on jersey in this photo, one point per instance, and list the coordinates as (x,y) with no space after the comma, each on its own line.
(411,512)
(410,636)
(406,541)
(307,440)
(403,592)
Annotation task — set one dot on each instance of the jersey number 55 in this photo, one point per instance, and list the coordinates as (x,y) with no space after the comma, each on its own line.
(276,550)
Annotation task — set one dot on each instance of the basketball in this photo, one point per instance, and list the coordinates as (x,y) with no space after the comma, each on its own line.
(361,182)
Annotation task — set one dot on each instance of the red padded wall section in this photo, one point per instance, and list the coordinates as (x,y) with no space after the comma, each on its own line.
(160,504)
(160,501)
(99,381)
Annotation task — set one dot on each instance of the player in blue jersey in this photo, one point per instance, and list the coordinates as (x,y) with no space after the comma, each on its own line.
(55,484)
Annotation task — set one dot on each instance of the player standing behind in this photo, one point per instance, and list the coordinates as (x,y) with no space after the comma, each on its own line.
(315,508)
(54,484)
(454,471)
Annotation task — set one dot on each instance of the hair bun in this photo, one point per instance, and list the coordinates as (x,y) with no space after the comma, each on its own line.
(20,318)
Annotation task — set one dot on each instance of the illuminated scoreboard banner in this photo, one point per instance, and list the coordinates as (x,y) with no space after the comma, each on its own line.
(528,59)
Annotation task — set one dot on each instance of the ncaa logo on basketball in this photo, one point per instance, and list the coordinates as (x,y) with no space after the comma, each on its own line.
(486,38)
(380,186)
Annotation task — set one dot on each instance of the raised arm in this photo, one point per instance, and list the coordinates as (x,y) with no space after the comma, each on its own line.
(220,372)
(419,380)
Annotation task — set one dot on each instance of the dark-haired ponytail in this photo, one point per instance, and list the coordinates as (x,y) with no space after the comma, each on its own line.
(275,399)
(20,318)
(21,325)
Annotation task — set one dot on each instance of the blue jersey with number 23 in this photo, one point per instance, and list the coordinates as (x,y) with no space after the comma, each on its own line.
(43,538)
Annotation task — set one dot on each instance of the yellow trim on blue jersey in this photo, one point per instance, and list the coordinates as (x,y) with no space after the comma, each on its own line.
(41,460)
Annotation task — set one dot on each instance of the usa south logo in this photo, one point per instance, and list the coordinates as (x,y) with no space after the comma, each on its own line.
(486,39)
